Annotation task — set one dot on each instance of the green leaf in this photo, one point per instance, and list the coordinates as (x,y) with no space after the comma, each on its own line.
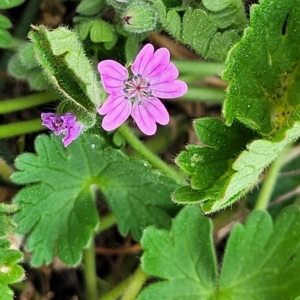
(233,15)
(261,259)
(200,30)
(59,202)
(5,4)
(5,38)
(101,31)
(197,30)
(37,80)
(184,257)
(173,24)
(90,8)
(62,57)
(5,22)
(24,65)
(216,5)
(217,173)
(208,163)
(10,271)
(221,41)
(263,69)
(27,57)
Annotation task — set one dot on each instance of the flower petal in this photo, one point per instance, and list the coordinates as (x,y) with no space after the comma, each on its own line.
(143,119)
(110,104)
(116,111)
(47,120)
(157,110)
(72,134)
(69,119)
(169,89)
(148,112)
(143,58)
(112,75)
(170,73)
(149,64)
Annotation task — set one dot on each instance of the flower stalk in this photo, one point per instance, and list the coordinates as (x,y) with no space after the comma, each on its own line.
(136,144)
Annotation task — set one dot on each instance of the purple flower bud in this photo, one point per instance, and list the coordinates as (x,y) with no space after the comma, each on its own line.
(66,124)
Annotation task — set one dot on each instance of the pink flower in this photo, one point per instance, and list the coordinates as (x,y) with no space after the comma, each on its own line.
(65,124)
(153,76)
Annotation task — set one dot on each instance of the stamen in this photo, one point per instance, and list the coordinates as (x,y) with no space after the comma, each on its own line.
(136,88)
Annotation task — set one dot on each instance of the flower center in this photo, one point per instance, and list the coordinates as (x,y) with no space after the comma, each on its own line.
(136,88)
(58,123)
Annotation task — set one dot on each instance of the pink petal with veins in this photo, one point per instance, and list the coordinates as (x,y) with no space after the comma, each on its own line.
(112,75)
(169,90)
(170,73)
(154,64)
(116,111)
(149,112)
(143,119)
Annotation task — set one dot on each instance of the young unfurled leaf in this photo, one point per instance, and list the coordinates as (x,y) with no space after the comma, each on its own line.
(185,259)
(62,211)
(62,57)
(263,69)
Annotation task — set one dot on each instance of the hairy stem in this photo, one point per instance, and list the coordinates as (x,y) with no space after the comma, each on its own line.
(147,154)
(269,183)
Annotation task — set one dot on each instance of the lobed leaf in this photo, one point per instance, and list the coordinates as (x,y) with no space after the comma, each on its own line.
(184,258)
(210,32)
(261,259)
(59,200)
(217,173)
(10,271)
(263,69)
(263,93)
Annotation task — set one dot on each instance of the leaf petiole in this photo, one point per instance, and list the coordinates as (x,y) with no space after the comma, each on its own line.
(269,182)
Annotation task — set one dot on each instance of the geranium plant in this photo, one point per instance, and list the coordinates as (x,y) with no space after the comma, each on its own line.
(219,218)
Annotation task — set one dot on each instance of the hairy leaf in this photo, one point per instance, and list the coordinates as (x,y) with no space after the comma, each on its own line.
(261,259)
(10,271)
(221,176)
(60,201)
(263,69)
